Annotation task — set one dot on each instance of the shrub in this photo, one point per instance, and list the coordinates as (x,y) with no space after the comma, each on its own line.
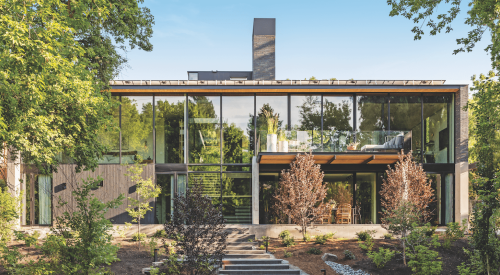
(364,235)
(423,261)
(173,266)
(367,245)
(306,238)
(262,247)
(251,240)
(160,234)
(382,257)
(420,236)
(349,255)
(315,251)
(321,239)
(9,211)
(284,234)
(290,241)
(288,254)
(388,236)
(453,232)
(265,240)
(138,237)
(429,230)
(152,245)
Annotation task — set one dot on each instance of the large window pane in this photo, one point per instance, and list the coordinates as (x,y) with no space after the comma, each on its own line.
(109,137)
(237,113)
(306,124)
(339,191)
(366,197)
(237,197)
(38,200)
(268,183)
(164,202)
(170,129)
(204,129)
(406,114)
(137,128)
(273,105)
(438,129)
(211,184)
(337,123)
(372,112)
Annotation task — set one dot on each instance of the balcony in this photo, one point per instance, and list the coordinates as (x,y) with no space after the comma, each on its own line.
(334,147)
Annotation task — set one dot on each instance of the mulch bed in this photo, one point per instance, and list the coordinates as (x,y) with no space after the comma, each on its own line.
(312,264)
(133,260)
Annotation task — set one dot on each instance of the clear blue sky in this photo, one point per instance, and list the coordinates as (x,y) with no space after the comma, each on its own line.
(341,39)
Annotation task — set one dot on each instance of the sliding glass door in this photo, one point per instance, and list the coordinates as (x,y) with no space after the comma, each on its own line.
(171,184)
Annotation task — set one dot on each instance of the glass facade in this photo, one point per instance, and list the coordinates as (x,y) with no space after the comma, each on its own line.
(37,200)
(438,129)
(237,117)
(169,128)
(269,108)
(204,126)
(237,197)
(110,137)
(406,114)
(137,128)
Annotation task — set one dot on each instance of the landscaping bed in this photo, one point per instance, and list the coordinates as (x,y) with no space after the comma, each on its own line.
(312,264)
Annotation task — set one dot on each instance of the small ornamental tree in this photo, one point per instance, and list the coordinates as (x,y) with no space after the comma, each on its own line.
(199,227)
(301,192)
(406,194)
(146,190)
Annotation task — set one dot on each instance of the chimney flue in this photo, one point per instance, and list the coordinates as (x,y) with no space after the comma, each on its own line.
(263,49)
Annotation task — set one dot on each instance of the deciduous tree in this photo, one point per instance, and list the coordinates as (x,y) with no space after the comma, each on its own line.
(301,192)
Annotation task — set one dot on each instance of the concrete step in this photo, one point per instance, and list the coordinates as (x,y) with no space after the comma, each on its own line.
(229,252)
(251,261)
(240,238)
(237,235)
(242,244)
(256,266)
(239,247)
(247,256)
(262,272)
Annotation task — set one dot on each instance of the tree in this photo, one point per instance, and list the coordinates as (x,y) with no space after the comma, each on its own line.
(56,61)
(406,194)
(482,16)
(301,192)
(145,189)
(10,207)
(199,225)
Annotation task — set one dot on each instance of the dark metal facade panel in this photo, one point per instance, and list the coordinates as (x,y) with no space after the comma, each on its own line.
(461,125)
(222,75)
(264,26)
(208,88)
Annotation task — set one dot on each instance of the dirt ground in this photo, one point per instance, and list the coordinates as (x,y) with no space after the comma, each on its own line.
(132,260)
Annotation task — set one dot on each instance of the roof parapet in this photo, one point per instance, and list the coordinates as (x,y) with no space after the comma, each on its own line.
(276,82)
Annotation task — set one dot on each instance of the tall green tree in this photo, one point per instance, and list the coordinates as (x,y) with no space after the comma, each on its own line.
(56,60)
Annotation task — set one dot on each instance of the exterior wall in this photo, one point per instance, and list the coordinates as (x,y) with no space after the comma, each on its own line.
(264,57)
(115,183)
(461,155)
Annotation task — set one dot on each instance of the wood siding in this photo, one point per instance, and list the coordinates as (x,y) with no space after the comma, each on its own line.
(115,183)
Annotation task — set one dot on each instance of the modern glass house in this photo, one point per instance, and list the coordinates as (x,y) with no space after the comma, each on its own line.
(213,128)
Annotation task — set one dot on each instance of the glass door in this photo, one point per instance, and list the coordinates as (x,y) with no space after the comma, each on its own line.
(171,184)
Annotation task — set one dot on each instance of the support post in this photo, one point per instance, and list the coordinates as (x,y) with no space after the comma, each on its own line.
(255,191)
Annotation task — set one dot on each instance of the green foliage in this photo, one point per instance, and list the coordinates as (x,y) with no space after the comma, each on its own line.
(420,236)
(160,234)
(284,234)
(288,254)
(321,239)
(314,251)
(31,239)
(251,240)
(262,247)
(388,236)
(382,257)
(146,191)
(453,233)
(349,255)
(154,244)
(424,261)
(54,101)
(364,235)
(10,258)
(289,241)
(265,240)
(9,211)
(306,238)
(138,237)
(367,245)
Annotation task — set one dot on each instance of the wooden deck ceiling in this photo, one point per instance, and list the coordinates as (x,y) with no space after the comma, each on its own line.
(332,158)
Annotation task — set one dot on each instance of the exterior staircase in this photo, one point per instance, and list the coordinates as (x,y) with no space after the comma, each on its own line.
(242,259)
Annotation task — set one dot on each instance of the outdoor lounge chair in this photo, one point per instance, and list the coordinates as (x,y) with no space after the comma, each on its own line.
(343,214)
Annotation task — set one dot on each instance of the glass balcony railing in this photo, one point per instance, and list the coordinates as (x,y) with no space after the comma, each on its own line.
(335,141)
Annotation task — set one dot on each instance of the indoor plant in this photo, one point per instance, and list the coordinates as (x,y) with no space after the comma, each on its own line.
(272,129)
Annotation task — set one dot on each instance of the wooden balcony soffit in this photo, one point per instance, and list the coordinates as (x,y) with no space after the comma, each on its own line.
(332,158)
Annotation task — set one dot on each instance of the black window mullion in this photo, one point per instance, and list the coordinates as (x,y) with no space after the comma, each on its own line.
(354,112)
(154,130)
(321,122)
(389,111)
(221,146)
(255,124)
(289,112)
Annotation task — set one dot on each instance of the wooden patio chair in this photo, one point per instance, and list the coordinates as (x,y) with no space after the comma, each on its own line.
(343,214)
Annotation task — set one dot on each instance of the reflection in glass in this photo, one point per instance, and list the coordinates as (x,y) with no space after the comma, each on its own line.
(204,129)
(38,200)
(137,128)
(306,124)
(436,205)
(237,197)
(406,112)
(164,202)
(273,105)
(211,184)
(268,183)
(339,190)
(372,112)
(337,123)
(366,197)
(237,112)
(448,199)
(109,137)
(169,129)
(438,129)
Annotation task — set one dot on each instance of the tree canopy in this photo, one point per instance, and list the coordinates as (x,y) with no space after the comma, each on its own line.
(56,61)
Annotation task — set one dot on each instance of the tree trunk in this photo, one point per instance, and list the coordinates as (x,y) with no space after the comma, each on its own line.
(139,232)
(404,247)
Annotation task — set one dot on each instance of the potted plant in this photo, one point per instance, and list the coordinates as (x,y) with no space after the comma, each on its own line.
(283,143)
(272,130)
(352,146)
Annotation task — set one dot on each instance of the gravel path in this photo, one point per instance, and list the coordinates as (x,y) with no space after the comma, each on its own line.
(345,269)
